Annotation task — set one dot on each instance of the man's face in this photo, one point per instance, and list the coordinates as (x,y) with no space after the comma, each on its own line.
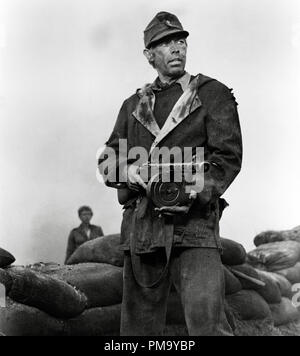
(86,216)
(169,56)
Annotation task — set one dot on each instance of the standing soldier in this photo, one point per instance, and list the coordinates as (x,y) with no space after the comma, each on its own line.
(178,244)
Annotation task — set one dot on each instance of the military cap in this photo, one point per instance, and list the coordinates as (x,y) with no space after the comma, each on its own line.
(163,24)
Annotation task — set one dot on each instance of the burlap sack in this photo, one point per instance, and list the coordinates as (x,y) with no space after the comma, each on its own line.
(22,320)
(270,292)
(284,285)
(6,258)
(248,271)
(248,305)
(233,252)
(292,274)
(284,312)
(274,236)
(276,256)
(101,283)
(103,321)
(46,293)
(104,249)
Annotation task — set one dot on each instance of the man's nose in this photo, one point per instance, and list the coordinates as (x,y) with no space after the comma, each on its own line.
(174,47)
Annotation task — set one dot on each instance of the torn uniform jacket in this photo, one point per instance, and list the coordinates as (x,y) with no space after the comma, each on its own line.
(204,116)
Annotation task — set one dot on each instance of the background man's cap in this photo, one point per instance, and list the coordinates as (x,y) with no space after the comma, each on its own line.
(164,24)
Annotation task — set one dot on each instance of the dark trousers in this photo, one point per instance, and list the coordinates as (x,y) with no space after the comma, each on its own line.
(198,277)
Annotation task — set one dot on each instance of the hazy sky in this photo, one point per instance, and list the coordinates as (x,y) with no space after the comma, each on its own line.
(67,66)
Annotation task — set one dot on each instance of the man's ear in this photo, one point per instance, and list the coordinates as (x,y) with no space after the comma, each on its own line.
(148,54)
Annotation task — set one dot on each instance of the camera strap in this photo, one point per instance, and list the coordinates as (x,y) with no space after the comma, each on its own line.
(136,259)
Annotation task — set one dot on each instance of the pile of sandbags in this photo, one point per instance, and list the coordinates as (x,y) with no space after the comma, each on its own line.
(49,299)
(22,320)
(277,257)
(255,294)
(105,249)
(258,295)
(84,297)
(248,293)
(251,300)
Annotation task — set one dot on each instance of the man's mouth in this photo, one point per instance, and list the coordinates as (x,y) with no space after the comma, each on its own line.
(175,61)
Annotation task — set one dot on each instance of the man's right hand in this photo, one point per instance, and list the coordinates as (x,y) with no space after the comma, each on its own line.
(134,180)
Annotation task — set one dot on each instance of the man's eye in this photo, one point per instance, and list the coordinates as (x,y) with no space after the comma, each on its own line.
(169,43)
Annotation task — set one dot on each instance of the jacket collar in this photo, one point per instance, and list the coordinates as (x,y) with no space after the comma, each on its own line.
(184,81)
(81,227)
(187,103)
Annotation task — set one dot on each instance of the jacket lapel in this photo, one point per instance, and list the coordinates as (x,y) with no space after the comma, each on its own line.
(187,103)
(82,231)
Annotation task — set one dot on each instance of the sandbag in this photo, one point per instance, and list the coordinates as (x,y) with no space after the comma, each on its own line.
(22,320)
(233,252)
(270,236)
(292,274)
(55,297)
(284,285)
(248,305)
(284,312)
(248,271)
(6,280)
(101,283)
(104,249)
(270,292)
(6,258)
(232,284)
(276,256)
(104,321)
